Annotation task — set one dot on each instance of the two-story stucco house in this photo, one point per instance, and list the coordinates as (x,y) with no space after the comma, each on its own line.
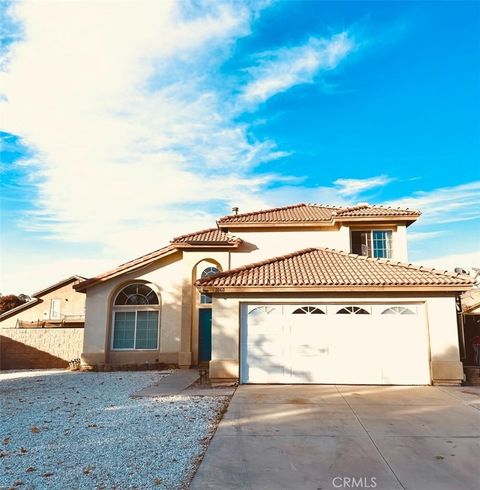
(298,294)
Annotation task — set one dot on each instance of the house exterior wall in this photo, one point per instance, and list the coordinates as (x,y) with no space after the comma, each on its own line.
(173,277)
(71,304)
(441,322)
(166,276)
(273,242)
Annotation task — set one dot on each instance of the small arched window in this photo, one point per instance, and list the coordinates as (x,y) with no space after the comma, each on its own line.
(308,310)
(352,310)
(136,318)
(398,310)
(206,299)
(136,294)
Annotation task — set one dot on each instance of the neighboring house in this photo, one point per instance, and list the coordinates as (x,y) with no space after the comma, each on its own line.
(45,332)
(470,302)
(337,303)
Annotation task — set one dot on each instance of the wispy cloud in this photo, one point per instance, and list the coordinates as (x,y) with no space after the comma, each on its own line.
(420,236)
(127,120)
(119,143)
(284,68)
(445,204)
(353,187)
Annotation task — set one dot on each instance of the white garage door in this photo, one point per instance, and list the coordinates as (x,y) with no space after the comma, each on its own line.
(345,344)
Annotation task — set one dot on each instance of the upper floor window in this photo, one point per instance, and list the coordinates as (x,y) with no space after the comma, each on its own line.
(206,299)
(372,243)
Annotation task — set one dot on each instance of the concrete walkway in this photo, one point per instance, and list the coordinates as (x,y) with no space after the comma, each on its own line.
(321,437)
(170,385)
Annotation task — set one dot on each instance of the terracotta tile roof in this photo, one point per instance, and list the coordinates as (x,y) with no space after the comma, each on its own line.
(295,213)
(304,213)
(471,300)
(328,268)
(211,235)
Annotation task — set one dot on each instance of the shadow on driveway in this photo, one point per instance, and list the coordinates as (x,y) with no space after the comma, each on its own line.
(316,436)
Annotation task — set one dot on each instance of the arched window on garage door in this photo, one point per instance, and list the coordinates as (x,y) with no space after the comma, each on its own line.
(352,310)
(259,310)
(308,310)
(398,310)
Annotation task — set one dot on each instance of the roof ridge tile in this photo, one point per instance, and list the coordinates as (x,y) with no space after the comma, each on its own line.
(199,232)
(262,211)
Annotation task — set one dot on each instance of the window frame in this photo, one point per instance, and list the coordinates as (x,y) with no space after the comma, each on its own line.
(135,309)
(52,302)
(371,241)
(208,271)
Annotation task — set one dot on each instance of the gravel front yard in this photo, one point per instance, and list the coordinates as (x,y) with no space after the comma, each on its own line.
(66,430)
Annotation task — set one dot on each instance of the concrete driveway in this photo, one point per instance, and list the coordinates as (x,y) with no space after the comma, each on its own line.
(323,437)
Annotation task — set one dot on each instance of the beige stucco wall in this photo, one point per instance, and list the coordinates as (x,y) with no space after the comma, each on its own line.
(440,316)
(166,277)
(39,347)
(400,244)
(72,303)
(261,245)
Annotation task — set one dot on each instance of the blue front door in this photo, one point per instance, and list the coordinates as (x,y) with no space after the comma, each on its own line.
(204,334)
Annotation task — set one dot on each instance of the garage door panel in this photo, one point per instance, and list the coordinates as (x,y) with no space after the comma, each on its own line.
(365,345)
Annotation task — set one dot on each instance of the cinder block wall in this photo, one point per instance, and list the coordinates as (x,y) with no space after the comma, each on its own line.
(39,348)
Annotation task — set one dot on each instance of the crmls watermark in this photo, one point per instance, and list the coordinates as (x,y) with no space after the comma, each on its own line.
(352,482)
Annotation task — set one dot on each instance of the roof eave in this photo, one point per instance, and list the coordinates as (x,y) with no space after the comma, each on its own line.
(58,285)
(83,286)
(203,245)
(17,309)
(275,224)
(408,220)
(325,289)
(386,218)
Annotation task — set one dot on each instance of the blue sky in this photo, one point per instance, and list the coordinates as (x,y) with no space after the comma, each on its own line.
(125,124)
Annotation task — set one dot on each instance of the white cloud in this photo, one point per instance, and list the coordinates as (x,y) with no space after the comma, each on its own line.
(353,187)
(117,100)
(284,68)
(445,204)
(449,262)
